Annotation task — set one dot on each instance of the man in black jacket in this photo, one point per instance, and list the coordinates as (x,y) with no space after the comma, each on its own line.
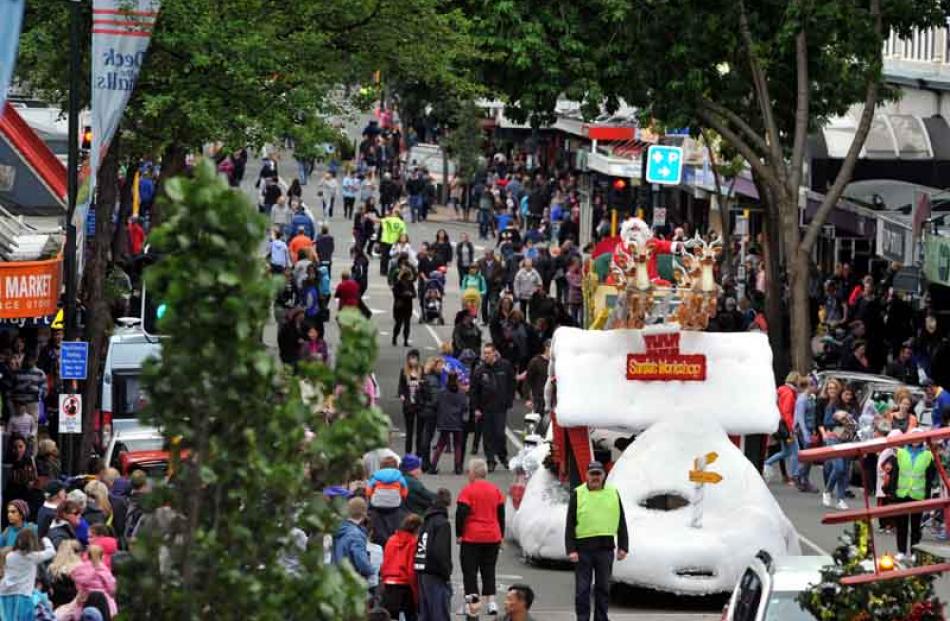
(492,394)
(433,560)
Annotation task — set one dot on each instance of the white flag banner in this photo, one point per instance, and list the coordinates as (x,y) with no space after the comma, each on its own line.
(121,30)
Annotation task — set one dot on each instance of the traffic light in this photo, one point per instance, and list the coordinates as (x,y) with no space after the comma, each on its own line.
(87,138)
(619,196)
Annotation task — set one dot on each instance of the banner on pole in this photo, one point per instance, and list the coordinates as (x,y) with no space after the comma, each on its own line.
(121,31)
(11,18)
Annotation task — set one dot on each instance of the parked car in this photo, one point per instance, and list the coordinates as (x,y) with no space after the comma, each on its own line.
(141,448)
(769,588)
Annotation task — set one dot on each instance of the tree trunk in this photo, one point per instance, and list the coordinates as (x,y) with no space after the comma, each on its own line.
(799,312)
(99,316)
(173,163)
(773,279)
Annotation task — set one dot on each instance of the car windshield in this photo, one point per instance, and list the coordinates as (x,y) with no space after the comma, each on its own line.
(147,443)
(784,607)
(128,397)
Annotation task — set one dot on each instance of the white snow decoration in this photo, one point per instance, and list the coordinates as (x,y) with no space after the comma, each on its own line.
(538,525)
(593,389)
(739,514)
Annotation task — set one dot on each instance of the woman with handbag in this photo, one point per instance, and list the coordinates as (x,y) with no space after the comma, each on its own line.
(837,426)
(788,448)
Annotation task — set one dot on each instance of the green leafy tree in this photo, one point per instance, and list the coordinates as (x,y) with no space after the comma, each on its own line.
(464,140)
(244,474)
(763,75)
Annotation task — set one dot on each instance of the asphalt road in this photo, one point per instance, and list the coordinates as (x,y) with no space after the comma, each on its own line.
(554,586)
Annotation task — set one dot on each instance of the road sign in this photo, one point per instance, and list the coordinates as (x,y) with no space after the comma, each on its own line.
(73,359)
(664,165)
(70,413)
(659,216)
(700,476)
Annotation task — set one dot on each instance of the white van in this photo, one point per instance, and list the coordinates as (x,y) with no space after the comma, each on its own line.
(122,398)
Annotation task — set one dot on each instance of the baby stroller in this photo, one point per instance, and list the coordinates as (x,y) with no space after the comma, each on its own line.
(433,294)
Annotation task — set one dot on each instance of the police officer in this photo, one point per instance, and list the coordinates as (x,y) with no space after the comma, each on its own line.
(594,517)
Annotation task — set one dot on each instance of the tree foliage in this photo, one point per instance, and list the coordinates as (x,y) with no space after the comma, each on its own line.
(464,142)
(244,474)
(761,74)
(238,71)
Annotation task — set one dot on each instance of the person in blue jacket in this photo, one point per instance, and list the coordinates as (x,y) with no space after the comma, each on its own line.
(301,219)
(349,542)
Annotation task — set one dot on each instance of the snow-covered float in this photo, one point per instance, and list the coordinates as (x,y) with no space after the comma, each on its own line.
(685,395)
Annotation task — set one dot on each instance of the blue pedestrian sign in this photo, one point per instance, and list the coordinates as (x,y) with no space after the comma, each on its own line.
(73,360)
(664,165)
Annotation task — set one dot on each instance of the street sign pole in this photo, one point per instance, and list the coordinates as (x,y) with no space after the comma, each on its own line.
(701,477)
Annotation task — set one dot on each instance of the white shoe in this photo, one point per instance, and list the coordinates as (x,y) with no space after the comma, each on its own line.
(842,505)
(492,608)
(826,499)
(769,473)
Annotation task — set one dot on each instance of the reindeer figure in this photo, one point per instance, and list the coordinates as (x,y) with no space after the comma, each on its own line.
(698,288)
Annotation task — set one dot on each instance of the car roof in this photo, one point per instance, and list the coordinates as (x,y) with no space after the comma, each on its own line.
(139,433)
(795,573)
(856,376)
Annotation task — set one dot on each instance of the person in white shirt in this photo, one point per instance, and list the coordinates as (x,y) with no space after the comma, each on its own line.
(328,188)
(19,574)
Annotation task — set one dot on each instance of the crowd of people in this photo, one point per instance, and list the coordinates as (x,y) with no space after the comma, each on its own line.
(398,535)
(830,412)
(62,535)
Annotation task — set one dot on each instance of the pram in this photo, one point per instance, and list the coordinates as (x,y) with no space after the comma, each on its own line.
(432,300)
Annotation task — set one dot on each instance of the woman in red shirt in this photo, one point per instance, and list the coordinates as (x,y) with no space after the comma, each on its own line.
(479,527)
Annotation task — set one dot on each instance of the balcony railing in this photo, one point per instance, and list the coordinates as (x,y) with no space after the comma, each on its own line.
(930,45)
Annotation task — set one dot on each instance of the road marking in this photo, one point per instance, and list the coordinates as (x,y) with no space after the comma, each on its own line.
(814,546)
(518,444)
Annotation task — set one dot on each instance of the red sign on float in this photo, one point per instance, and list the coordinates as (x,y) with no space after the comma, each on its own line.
(663,361)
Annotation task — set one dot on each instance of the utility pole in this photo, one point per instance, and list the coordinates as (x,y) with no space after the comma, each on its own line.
(68,441)
(72,172)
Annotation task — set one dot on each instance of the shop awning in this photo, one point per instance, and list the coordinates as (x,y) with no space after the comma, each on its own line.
(32,179)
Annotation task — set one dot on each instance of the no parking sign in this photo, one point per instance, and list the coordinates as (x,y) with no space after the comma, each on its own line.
(70,413)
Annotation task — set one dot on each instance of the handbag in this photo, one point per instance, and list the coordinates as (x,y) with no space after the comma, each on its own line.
(783,433)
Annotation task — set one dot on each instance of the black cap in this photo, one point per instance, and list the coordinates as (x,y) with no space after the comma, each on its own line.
(52,488)
(595,466)
(927,383)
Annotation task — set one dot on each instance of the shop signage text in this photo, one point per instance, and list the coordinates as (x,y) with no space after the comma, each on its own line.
(664,362)
(29,288)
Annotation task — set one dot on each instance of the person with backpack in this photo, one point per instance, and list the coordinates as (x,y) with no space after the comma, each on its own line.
(398,574)
(433,560)
(386,492)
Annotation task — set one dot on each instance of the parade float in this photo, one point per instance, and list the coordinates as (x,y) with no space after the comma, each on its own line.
(666,405)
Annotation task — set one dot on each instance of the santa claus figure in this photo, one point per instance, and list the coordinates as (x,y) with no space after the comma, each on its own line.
(636,238)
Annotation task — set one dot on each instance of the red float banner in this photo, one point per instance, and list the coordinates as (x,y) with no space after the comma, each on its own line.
(663,361)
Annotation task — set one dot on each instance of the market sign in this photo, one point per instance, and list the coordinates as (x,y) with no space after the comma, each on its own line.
(892,242)
(937,260)
(29,288)
(664,362)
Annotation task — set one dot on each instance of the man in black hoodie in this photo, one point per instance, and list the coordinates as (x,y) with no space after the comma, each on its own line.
(433,560)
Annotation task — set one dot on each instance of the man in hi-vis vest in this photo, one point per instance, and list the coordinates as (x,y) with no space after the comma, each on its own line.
(914,473)
(594,517)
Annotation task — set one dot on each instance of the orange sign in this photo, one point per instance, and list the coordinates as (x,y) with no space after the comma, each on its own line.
(29,288)
(701,476)
(664,362)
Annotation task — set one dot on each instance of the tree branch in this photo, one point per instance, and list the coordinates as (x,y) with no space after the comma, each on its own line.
(757,142)
(767,175)
(860,135)
(802,104)
(760,83)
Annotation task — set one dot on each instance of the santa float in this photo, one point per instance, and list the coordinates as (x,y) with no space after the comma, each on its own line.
(663,402)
